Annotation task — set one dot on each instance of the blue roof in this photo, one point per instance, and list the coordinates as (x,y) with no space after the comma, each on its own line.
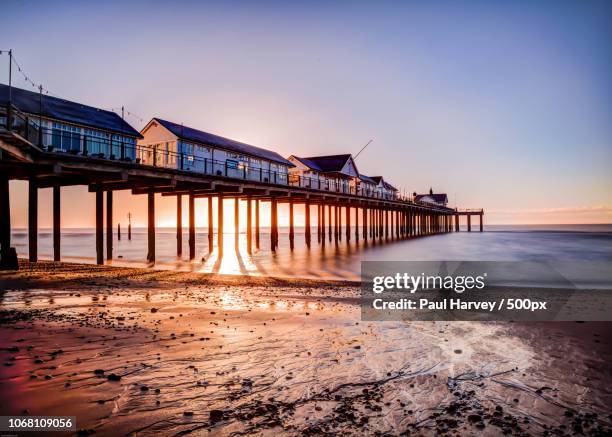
(198,136)
(67,111)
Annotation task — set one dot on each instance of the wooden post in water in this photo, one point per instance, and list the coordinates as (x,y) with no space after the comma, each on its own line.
(273,224)
(386,224)
(307,222)
(220,225)
(249,225)
(99,225)
(56,223)
(33,220)
(456,222)
(339,222)
(191,220)
(323,224)
(348,223)
(291,233)
(211,226)
(318,223)
(329,215)
(481,224)
(109,225)
(118,231)
(336,224)
(5,225)
(179,225)
(469,218)
(236,222)
(151,226)
(257,223)
(364,222)
(356,224)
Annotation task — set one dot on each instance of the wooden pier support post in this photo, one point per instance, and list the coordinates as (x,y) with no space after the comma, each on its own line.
(372,223)
(456,222)
(211,226)
(319,223)
(397,224)
(329,216)
(469,220)
(179,225)
(336,224)
(348,223)
(109,225)
(273,224)
(56,223)
(249,225)
(364,224)
(386,224)
(99,226)
(339,222)
(257,223)
(236,222)
(191,220)
(220,225)
(323,224)
(5,226)
(375,221)
(307,222)
(356,224)
(151,226)
(33,220)
(291,230)
(118,231)
(481,224)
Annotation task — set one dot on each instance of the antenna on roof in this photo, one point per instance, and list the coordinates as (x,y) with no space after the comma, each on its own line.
(362,149)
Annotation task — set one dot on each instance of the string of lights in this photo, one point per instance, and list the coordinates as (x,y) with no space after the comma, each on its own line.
(44,90)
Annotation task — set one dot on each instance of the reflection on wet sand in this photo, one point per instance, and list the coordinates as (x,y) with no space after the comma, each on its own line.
(131,351)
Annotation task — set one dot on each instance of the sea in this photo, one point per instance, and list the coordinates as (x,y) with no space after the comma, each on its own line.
(584,252)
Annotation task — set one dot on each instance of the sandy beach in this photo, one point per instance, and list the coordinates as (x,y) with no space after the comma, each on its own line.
(144,352)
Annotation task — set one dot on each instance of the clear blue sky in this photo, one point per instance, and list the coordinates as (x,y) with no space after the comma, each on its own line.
(504,105)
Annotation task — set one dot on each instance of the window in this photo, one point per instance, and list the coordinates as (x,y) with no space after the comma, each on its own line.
(232,164)
(66,137)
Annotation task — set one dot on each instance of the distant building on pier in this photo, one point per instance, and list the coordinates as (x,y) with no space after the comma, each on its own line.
(432,198)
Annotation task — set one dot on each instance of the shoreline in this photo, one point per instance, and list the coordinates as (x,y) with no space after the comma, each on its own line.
(167,353)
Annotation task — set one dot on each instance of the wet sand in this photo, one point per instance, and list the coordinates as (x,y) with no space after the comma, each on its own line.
(136,351)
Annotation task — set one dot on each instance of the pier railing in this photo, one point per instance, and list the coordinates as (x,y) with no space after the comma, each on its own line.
(121,148)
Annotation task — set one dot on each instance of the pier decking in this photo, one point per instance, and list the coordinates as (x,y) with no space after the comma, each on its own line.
(115,166)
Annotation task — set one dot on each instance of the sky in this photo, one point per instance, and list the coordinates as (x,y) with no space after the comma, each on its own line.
(502,105)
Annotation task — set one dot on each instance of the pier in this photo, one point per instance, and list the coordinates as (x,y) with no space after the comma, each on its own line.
(368,214)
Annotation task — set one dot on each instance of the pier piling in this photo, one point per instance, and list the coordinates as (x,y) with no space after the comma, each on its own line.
(291,232)
(191,220)
(257,223)
(179,225)
(56,223)
(236,222)
(33,220)
(99,225)
(211,229)
(220,225)
(249,223)
(109,225)
(151,226)
(307,222)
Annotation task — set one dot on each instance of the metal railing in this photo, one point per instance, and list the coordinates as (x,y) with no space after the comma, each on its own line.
(61,141)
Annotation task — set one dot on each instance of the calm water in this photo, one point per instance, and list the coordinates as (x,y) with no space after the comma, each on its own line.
(587,246)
